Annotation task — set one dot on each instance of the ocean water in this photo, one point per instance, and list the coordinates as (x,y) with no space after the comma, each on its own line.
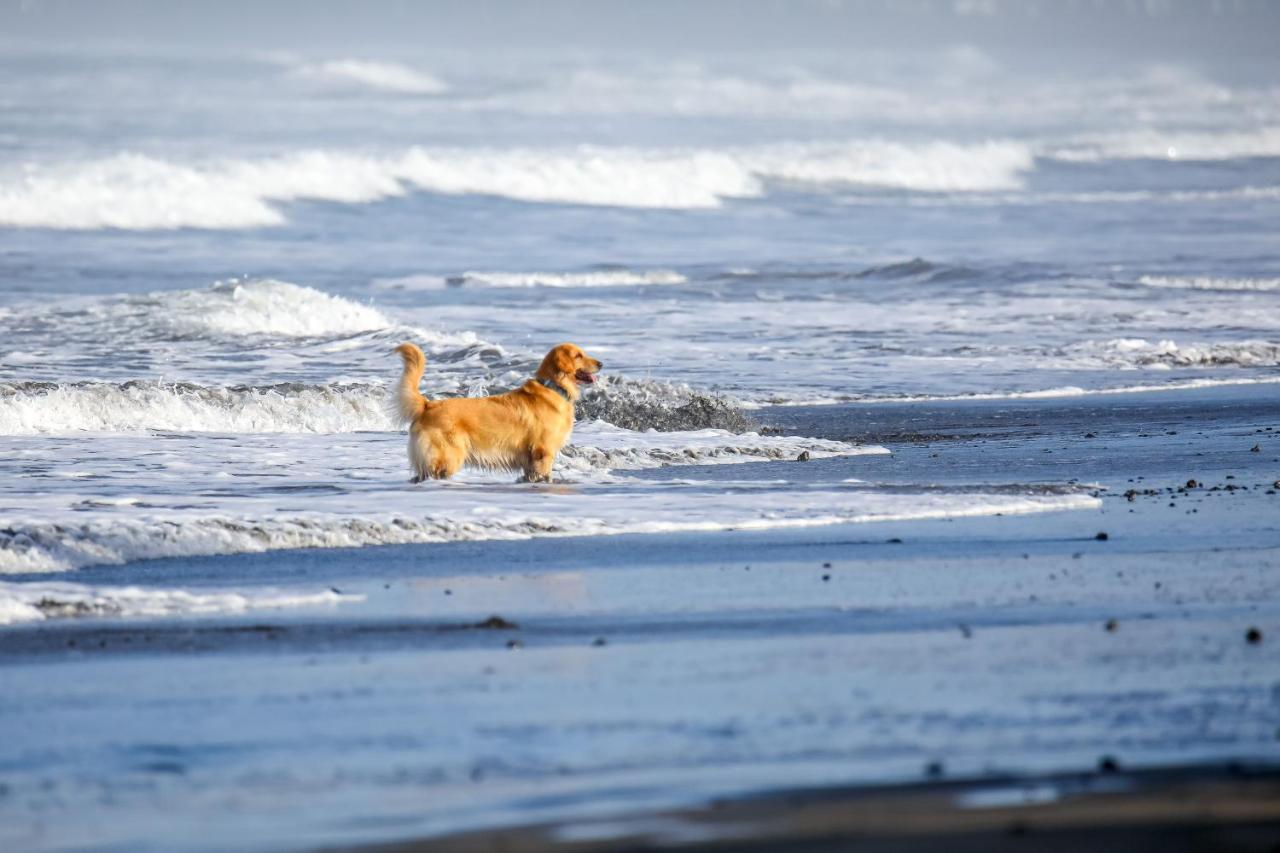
(207,256)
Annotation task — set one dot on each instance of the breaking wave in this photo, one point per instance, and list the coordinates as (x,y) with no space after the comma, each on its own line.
(51,408)
(384,76)
(263,307)
(602,446)
(37,408)
(136,191)
(592,278)
(1177,282)
(1139,352)
(31,602)
(1156,144)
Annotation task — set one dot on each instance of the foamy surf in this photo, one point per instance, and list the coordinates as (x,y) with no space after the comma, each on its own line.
(371,74)
(589,278)
(33,602)
(142,192)
(1030,394)
(451,515)
(1209,282)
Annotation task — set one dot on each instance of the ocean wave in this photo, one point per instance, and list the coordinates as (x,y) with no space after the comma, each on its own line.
(46,408)
(383,76)
(644,404)
(52,546)
(32,602)
(1157,144)
(239,308)
(1139,352)
(594,278)
(992,199)
(602,446)
(1037,394)
(134,191)
(589,278)
(41,408)
(264,307)
(1179,282)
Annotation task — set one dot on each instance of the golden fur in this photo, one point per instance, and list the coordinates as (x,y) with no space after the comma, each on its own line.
(521,430)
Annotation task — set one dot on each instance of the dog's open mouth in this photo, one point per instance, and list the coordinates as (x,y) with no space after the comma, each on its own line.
(582,376)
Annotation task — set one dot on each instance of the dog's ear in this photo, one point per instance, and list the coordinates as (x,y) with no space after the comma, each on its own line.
(564,360)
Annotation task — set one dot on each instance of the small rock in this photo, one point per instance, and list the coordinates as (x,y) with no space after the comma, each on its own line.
(804,456)
(1112,625)
(1108,764)
(1191,484)
(1101,537)
(1253,636)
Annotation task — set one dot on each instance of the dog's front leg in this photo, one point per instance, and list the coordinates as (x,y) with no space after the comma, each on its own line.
(539,464)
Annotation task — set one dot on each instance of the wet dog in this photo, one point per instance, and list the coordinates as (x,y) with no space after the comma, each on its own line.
(521,430)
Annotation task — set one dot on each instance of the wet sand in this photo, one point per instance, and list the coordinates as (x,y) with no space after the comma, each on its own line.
(635,678)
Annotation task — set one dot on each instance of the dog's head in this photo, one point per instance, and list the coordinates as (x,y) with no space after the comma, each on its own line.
(567,366)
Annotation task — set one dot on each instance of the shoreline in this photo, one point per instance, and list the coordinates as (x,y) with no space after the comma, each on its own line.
(636,677)
(1185,808)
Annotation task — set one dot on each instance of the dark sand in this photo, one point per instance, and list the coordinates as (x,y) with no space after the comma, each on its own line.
(891,672)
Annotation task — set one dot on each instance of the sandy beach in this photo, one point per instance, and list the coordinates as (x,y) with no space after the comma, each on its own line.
(571,681)
(928,496)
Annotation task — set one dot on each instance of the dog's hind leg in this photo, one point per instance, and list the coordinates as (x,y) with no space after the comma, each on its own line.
(419,456)
(446,459)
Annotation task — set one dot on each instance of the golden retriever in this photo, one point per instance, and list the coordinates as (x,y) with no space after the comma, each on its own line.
(521,430)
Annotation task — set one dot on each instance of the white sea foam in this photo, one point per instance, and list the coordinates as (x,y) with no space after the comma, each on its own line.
(1139,352)
(134,191)
(442,515)
(1049,393)
(31,602)
(266,307)
(385,76)
(1159,144)
(597,278)
(47,408)
(590,278)
(1177,282)
(599,446)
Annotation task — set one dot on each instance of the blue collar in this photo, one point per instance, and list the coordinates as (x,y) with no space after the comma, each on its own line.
(547,383)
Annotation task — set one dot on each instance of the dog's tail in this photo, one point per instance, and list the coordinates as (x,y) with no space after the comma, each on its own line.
(409,402)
